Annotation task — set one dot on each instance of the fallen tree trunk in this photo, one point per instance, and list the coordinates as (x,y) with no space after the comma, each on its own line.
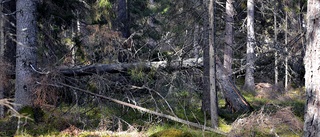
(123,67)
(148,110)
(232,95)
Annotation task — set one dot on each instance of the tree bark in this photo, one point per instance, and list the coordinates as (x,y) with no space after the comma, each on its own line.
(249,79)
(275,42)
(286,65)
(206,82)
(123,18)
(228,48)
(2,48)
(236,101)
(26,52)
(233,97)
(312,75)
(196,46)
(210,69)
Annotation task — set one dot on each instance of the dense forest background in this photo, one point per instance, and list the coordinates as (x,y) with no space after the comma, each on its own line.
(152,67)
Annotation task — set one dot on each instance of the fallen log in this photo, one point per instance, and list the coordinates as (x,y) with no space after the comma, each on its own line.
(176,119)
(232,95)
(123,67)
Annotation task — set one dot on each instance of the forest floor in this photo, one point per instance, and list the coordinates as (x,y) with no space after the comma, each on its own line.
(275,114)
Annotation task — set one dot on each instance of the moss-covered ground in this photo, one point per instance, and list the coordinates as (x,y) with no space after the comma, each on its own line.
(279,116)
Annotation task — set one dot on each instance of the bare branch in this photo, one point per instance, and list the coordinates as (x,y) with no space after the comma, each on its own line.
(176,119)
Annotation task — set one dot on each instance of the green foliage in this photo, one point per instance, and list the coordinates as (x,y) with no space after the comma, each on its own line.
(27,111)
(157,128)
(57,17)
(58,11)
(102,12)
(8,126)
(171,133)
(137,75)
(139,9)
(224,126)
(296,105)
(104,4)
(187,105)
(68,41)
(27,128)
(60,119)
(165,10)
(256,102)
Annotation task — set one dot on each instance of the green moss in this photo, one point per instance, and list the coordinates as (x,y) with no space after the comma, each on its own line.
(157,128)
(172,133)
(178,130)
(184,103)
(221,102)
(92,134)
(27,111)
(296,105)
(255,102)
(223,126)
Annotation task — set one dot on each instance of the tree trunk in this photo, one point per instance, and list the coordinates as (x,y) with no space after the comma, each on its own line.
(123,67)
(152,6)
(286,65)
(2,48)
(275,42)
(26,52)
(228,48)
(196,46)
(205,45)
(233,97)
(123,18)
(249,79)
(312,75)
(210,70)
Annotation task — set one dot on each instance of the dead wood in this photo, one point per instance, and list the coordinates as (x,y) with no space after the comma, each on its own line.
(233,96)
(123,67)
(176,119)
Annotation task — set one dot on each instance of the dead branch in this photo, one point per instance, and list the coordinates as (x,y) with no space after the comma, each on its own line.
(232,94)
(176,119)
